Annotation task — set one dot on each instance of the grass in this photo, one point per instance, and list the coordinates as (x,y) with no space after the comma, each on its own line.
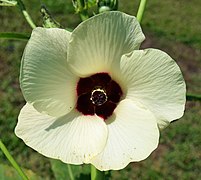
(175,20)
(168,25)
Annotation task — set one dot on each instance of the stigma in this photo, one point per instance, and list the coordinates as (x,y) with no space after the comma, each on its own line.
(98,97)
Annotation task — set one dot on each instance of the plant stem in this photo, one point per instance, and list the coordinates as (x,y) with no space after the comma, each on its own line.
(25,13)
(192,97)
(12,161)
(70,172)
(96,174)
(141,10)
(10,35)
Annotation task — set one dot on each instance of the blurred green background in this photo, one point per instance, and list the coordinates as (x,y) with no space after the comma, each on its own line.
(172,26)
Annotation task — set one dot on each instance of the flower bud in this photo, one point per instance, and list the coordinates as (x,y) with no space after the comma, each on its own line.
(107,5)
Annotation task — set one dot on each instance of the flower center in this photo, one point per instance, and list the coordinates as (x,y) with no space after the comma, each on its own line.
(98,97)
(98,94)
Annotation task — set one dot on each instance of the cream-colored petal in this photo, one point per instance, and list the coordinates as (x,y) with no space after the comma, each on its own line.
(45,79)
(98,43)
(132,136)
(153,78)
(72,138)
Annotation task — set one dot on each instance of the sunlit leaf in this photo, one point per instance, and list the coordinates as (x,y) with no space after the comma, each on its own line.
(91,3)
(9,173)
(8,3)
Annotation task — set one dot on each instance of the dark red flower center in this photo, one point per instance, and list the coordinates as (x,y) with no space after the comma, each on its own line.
(98,94)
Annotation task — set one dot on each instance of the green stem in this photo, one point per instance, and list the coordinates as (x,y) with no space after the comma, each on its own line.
(12,161)
(141,10)
(10,35)
(70,172)
(96,174)
(26,14)
(192,97)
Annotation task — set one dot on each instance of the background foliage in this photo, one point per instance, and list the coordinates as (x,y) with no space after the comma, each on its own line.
(172,26)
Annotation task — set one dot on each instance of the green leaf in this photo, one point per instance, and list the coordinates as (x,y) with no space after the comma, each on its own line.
(193,97)
(9,173)
(91,3)
(8,35)
(8,3)
(62,171)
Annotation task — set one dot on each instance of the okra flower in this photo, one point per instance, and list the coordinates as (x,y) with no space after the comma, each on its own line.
(93,96)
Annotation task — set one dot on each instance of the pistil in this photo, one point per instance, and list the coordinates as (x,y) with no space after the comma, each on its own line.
(98,96)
